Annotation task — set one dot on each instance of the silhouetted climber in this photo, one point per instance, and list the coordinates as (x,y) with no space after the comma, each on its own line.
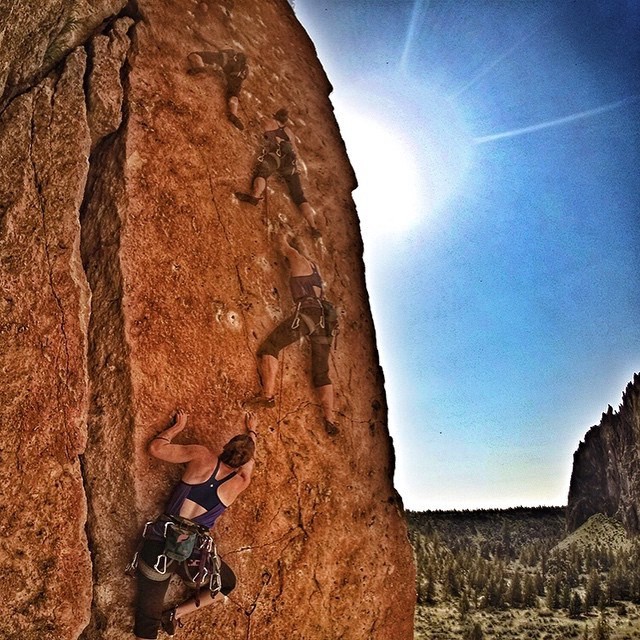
(234,66)
(226,6)
(179,541)
(313,316)
(279,154)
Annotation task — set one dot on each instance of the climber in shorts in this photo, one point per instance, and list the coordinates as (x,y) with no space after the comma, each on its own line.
(233,65)
(179,541)
(279,155)
(313,317)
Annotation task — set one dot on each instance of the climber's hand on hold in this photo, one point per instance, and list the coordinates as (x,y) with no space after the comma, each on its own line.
(180,419)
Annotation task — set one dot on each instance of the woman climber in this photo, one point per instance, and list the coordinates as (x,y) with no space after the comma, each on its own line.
(313,316)
(179,541)
(279,155)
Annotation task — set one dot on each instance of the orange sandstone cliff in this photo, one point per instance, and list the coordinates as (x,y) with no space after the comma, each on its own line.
(133,282)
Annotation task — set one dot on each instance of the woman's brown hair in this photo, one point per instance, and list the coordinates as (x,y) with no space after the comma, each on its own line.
(238,451)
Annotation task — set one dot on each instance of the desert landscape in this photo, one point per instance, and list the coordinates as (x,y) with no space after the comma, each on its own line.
(515,574)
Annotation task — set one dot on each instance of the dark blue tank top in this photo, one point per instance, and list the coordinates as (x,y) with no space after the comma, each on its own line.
(204,494)
(303,286)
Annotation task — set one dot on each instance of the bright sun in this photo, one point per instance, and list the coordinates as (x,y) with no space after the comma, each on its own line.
(388,193)
(403,181)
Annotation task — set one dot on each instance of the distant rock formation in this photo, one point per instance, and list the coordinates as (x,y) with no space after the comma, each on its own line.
(606,467)
(133,282)
(598,531)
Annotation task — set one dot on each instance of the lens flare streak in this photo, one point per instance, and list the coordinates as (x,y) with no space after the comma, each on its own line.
(484,70)
(557,122)
(418,10)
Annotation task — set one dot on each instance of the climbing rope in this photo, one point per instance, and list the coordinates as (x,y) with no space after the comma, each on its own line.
(280,390)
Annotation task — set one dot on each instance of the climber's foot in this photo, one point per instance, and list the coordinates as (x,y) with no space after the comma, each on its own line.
(235,121)
(331,428)
(247,197)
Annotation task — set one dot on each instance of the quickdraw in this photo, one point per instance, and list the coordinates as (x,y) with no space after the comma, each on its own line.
(133,565)
(208,565)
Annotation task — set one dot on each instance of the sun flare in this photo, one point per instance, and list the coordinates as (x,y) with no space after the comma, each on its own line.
(403,181)
(388,193)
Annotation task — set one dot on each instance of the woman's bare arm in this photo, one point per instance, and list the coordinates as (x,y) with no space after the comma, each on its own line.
(300,265)
(163,448)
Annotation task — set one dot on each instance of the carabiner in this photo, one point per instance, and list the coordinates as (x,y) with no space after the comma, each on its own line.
(161,558)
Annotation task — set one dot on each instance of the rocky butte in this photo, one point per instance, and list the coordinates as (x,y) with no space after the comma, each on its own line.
(134,282)
(606,467)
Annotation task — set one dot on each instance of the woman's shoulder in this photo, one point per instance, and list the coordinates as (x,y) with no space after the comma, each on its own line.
(271,125)
(206,458)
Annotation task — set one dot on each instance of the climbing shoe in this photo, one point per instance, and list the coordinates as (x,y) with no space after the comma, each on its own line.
(235,121)
(331,428)
(169,622)
(193,71)
(247,197)
(315,233)
(260,401)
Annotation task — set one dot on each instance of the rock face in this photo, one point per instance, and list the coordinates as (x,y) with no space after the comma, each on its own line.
(35,36)
(606,467)
(133,282)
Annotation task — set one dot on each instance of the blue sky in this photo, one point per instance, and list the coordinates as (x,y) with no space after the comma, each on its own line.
(497,147)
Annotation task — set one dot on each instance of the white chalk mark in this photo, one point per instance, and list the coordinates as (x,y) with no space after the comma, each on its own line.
(557,122)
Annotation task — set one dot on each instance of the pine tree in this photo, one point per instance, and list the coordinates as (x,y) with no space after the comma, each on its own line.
(593,590)
(529,596)
(575,605)
(428,587)
(464,606)
(452,584)
(553,593)
(514,596)
(603,630)
(475,632)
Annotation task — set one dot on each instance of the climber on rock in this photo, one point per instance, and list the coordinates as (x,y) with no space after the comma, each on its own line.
(313,317)
(179,541)
(233,65)
(279,155)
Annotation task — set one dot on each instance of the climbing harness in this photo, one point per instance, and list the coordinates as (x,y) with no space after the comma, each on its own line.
(328,320)
(278,147)
(183,540)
